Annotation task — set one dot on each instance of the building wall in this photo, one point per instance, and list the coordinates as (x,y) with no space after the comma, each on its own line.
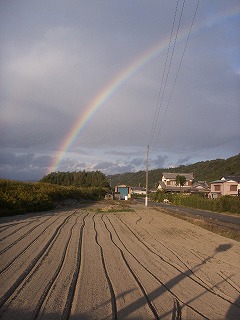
(124,191)
(224,188)
(172,182)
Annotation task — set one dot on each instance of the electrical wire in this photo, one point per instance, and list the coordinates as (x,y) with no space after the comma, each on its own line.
(168,71)
(178,70)
(157,109)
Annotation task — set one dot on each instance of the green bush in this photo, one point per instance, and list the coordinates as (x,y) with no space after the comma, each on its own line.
(19,197)
(222,204)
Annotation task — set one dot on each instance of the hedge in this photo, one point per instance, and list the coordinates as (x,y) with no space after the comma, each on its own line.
(222,204)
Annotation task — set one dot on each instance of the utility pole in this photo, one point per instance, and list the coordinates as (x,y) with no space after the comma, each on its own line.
(146,199)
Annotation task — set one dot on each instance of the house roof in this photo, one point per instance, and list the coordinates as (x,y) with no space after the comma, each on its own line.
(162,185)
(173,175)
(177,188)
(122,186)
(234,178)
(223,181)
(201,184)
(138,189)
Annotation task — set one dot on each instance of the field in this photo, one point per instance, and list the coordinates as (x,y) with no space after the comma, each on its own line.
(97,262)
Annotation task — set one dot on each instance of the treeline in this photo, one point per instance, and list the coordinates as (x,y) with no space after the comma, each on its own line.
(77,179)
(203,171)
(22,197)
(221,204)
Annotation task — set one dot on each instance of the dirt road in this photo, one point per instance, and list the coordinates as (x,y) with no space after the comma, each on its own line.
(144,264)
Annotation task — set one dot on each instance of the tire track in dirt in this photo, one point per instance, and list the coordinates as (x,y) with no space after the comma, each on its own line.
(145,295)
(173,252)
(86,265)
(39,311)
(176,298)
(55,275)
(14,231)
(23,236)
(10,292)
(192,274)
(92,297)
(177,312)
(231,283)
(172,265)
(8,225)
(73,285)
(186,274)
(205,283)
(11,262)
(113,298)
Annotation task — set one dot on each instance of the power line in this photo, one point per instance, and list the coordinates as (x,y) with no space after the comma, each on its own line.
(157,109)
(178,70)
(169,67)
(156,115)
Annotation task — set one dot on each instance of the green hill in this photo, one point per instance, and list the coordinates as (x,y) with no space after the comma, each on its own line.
(205,170)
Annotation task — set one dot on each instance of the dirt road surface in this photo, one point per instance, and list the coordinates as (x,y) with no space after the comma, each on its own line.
(87,263)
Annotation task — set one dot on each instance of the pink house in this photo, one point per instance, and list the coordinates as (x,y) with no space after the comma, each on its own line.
(223,188)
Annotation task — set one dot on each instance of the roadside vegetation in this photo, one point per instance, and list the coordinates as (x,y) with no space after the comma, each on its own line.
(22,197)
(222,204)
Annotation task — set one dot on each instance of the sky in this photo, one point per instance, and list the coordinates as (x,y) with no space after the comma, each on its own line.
(88,84)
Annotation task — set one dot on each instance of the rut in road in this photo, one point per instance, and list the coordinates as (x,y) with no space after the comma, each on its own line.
(52,284)
(187,273)
(73,284)
(145,295)
(20,253)
(176,255)
(22,236)
(93,297)
(182,275)
(113,298)
(84,264)
(19,281)
(3,229)
(176,314)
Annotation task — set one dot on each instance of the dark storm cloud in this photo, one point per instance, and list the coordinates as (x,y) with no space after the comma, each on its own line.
(159,162)
(18,161)
(27,166)
(120,153)
(58,56)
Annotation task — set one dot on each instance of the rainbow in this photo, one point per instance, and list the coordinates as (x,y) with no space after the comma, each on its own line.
(116,83)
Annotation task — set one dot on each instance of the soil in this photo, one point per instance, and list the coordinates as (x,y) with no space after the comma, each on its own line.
(101,262)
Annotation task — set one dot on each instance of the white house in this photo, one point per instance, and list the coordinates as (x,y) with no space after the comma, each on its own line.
(138,190)
(168,182)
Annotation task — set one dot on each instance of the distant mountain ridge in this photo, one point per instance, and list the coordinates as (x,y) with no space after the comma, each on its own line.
(203,171)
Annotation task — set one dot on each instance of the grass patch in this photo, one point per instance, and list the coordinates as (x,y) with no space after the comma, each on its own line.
(114,207)
(116,210)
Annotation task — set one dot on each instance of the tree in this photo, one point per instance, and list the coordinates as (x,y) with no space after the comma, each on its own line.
(180,180)
(78,179)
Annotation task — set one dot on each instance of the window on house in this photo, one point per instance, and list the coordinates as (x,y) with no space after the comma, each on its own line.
(217,187)
(168,183)
(233,188)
